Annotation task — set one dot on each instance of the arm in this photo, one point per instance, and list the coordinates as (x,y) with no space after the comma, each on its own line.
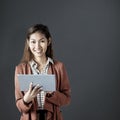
(22,107)
(62,95)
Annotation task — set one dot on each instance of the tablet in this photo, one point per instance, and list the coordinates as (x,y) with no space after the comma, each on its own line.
(45,80)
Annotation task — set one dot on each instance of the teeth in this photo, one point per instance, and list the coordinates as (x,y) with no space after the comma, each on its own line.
(38,51)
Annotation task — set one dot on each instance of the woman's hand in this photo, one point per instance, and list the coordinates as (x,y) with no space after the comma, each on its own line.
(32,92)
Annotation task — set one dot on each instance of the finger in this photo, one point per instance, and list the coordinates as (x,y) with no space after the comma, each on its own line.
(40,89)
(30,87)
(35,88)
(38,86)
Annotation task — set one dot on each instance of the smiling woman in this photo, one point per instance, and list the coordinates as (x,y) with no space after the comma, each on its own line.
(36,104)
(38,46)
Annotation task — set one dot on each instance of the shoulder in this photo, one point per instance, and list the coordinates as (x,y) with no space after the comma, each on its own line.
(58,65)
(60,69)
(22,66)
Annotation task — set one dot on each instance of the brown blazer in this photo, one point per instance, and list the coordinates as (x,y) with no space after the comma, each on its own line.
(53,103)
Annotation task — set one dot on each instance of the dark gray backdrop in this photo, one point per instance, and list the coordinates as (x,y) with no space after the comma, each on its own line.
(86,36)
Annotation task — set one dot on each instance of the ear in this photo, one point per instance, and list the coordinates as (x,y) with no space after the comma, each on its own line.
(49,41)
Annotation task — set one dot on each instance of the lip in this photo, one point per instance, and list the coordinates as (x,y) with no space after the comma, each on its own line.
(38,51)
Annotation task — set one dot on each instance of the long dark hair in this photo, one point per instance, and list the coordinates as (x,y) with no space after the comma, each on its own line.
(27,55)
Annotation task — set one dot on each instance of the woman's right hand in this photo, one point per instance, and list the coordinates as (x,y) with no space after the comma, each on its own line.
(32,92)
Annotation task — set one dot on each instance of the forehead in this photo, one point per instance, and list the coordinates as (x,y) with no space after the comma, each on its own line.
(37,35)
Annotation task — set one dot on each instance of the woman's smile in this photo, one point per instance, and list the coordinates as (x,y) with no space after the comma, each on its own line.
(38,44)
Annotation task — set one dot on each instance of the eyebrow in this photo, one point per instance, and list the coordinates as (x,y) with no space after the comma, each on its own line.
(35,39)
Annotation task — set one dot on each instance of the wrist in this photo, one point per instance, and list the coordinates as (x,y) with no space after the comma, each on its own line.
(26,103)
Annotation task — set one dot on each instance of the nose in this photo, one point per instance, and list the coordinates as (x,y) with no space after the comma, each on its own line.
(38,46)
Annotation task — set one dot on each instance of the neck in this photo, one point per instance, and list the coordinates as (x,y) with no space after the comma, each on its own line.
(41,60)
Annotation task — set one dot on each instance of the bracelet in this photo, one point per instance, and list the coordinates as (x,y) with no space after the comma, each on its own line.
(26,102)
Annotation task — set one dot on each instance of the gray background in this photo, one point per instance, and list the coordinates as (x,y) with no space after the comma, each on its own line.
(86,36)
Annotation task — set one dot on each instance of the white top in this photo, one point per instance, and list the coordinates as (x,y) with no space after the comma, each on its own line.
(41,95)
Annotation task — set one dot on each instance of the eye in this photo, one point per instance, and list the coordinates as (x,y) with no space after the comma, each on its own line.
(32,42)
(43,40)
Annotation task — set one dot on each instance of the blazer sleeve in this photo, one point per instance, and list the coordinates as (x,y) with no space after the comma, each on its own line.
(18,94)
(62,95)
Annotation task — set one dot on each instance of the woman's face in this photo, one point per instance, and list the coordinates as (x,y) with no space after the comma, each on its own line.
(38,44)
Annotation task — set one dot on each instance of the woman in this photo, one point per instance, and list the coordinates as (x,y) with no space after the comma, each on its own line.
(38,59)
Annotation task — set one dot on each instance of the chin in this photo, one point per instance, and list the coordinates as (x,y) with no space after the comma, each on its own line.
(40,55)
